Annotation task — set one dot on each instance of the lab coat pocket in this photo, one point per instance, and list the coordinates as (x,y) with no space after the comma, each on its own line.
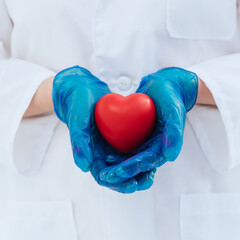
(38,221)
(202,20)
(210,216)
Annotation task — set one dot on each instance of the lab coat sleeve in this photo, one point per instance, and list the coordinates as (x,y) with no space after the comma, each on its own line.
(222,77)
(218,130)
(19,80)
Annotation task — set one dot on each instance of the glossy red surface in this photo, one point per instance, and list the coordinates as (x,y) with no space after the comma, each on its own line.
(125,122)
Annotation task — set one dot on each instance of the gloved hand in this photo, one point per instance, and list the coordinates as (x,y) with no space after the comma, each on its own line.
(75,94)
(103,154)
(174,92)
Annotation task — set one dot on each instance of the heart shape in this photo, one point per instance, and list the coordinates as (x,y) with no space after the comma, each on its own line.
(125,122)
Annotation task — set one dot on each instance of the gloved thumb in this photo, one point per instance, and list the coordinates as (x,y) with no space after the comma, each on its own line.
(79,123)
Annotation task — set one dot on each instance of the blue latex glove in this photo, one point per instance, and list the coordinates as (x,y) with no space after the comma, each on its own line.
(75,94)
(174,92)
(105,154)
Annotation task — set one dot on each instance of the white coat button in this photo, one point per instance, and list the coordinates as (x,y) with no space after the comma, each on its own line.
(124,83)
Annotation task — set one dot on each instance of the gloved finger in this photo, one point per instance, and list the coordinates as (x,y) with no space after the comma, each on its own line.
(109,173)
(171,115)
(79,125)
(162,150)
(111,157)
(128,186)
(82,152)
(112,160)
(145,180)
(141,162)
(173,129)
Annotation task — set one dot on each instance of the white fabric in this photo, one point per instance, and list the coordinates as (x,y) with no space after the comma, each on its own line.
(202,19)
(202,120)
(216,215)
(19,80)
(26,220)
(28,157)
(216,73)
(115,40)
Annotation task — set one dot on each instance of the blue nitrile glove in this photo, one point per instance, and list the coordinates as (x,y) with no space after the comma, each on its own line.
(103,154)
(75,94)
(174,92)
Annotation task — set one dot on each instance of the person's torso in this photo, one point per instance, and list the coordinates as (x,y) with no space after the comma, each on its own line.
(120,42)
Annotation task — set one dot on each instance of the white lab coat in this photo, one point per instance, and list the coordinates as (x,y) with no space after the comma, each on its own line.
(43,194)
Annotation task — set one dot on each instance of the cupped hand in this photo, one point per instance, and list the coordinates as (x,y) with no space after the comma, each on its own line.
(174,92)
(75,94)
(105,157)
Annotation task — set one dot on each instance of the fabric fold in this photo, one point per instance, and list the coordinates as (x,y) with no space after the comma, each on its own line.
(19,81)
(222,77)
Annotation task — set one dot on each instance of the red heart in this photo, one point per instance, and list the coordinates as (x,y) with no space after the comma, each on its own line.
(125,122)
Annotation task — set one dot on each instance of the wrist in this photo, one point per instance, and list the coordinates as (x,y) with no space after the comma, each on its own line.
(41,102)
(205,97)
